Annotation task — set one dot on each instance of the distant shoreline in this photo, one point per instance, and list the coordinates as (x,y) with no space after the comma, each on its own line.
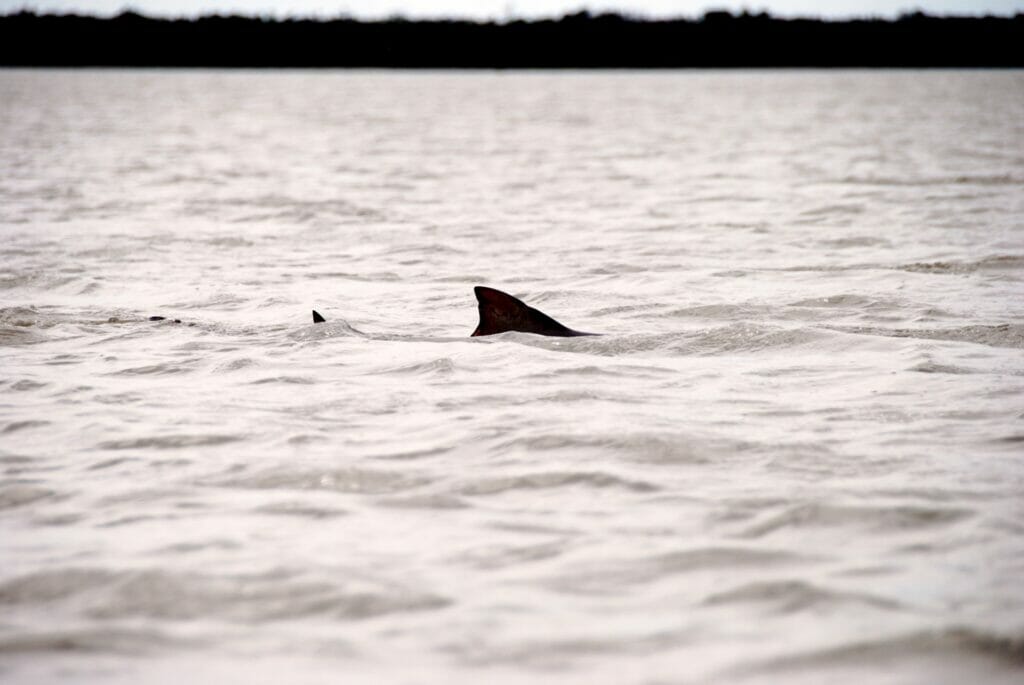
(576,41)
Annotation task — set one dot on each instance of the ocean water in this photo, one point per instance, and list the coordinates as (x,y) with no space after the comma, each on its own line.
(795,455)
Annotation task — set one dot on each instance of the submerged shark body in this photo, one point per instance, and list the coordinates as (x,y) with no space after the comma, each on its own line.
(500,312)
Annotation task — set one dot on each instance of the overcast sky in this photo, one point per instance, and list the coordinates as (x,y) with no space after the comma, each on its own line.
(501,9)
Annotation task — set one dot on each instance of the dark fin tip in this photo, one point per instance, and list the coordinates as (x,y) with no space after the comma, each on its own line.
(317,318)
(157,318)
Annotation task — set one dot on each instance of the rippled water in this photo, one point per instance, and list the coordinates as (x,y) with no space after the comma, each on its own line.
(795,456)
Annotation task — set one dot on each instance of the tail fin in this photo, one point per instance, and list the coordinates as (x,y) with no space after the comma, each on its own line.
(500,312)
(317,318)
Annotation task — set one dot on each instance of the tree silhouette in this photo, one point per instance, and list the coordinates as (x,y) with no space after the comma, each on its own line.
(580,40)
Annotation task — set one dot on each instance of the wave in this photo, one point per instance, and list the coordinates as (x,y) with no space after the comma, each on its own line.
(288,380)
(277,208)
(931,366)
(552,479)
(178,366)
(650,448)
(22,325)
(300,509)
(879,519)
(98,640)
(993,263)
(444,366)
(1001,335)
(163,442)
(736,337)
(793,596)
(947,655)
(617,577)
(23,317)
(15,426)
(747,337)
(349,480)
(19,495)
(333,328)
(105,595)
(958,180)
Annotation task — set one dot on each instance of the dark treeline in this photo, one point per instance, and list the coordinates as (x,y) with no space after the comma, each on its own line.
(718,39)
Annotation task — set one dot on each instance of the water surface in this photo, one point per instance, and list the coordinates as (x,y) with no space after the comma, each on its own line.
(796,454)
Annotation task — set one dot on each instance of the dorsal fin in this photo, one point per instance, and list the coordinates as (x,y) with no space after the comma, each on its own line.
(317,318)
(500,312)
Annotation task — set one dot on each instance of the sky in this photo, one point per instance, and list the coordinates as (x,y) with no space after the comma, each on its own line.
(504,9)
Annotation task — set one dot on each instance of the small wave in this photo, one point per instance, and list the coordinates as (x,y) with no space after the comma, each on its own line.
(229,241)
(221,300)
(603,371)
(158,594)
(91,640)
(833,209)
(843,300)
(495,557)
(963,179)
(236,365)
(15,426)
(110,463)
(26,385)
(301,510)
(856,241)
(934,367)
(877,518)
(432,501)
(163,442)
(305,438)
(626,310)
(332,328)
(1001,335)
(464,279)
(367,277)
(411,454)
(22,317)
(41,281)
(616,269)
(718,312)
(272,207)
(997,262)
(23,326)
(12,496)
(746,337)
(351,480)
(552,479)
(435,367)
(791,596)
(555,654)
(735,338)
(288,380)
(1012,439)
(953,654)
(708,558)
(654,448)
(614,577)
(162,369)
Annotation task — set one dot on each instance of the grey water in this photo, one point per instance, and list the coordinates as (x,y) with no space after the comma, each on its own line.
(795,455)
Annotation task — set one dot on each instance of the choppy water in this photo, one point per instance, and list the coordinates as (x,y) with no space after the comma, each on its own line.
(797,454)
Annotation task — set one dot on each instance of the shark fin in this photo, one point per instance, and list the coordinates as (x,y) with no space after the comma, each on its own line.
(500,312)
(317,318)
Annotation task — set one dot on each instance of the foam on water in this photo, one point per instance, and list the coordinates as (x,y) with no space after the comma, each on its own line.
(795,453)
